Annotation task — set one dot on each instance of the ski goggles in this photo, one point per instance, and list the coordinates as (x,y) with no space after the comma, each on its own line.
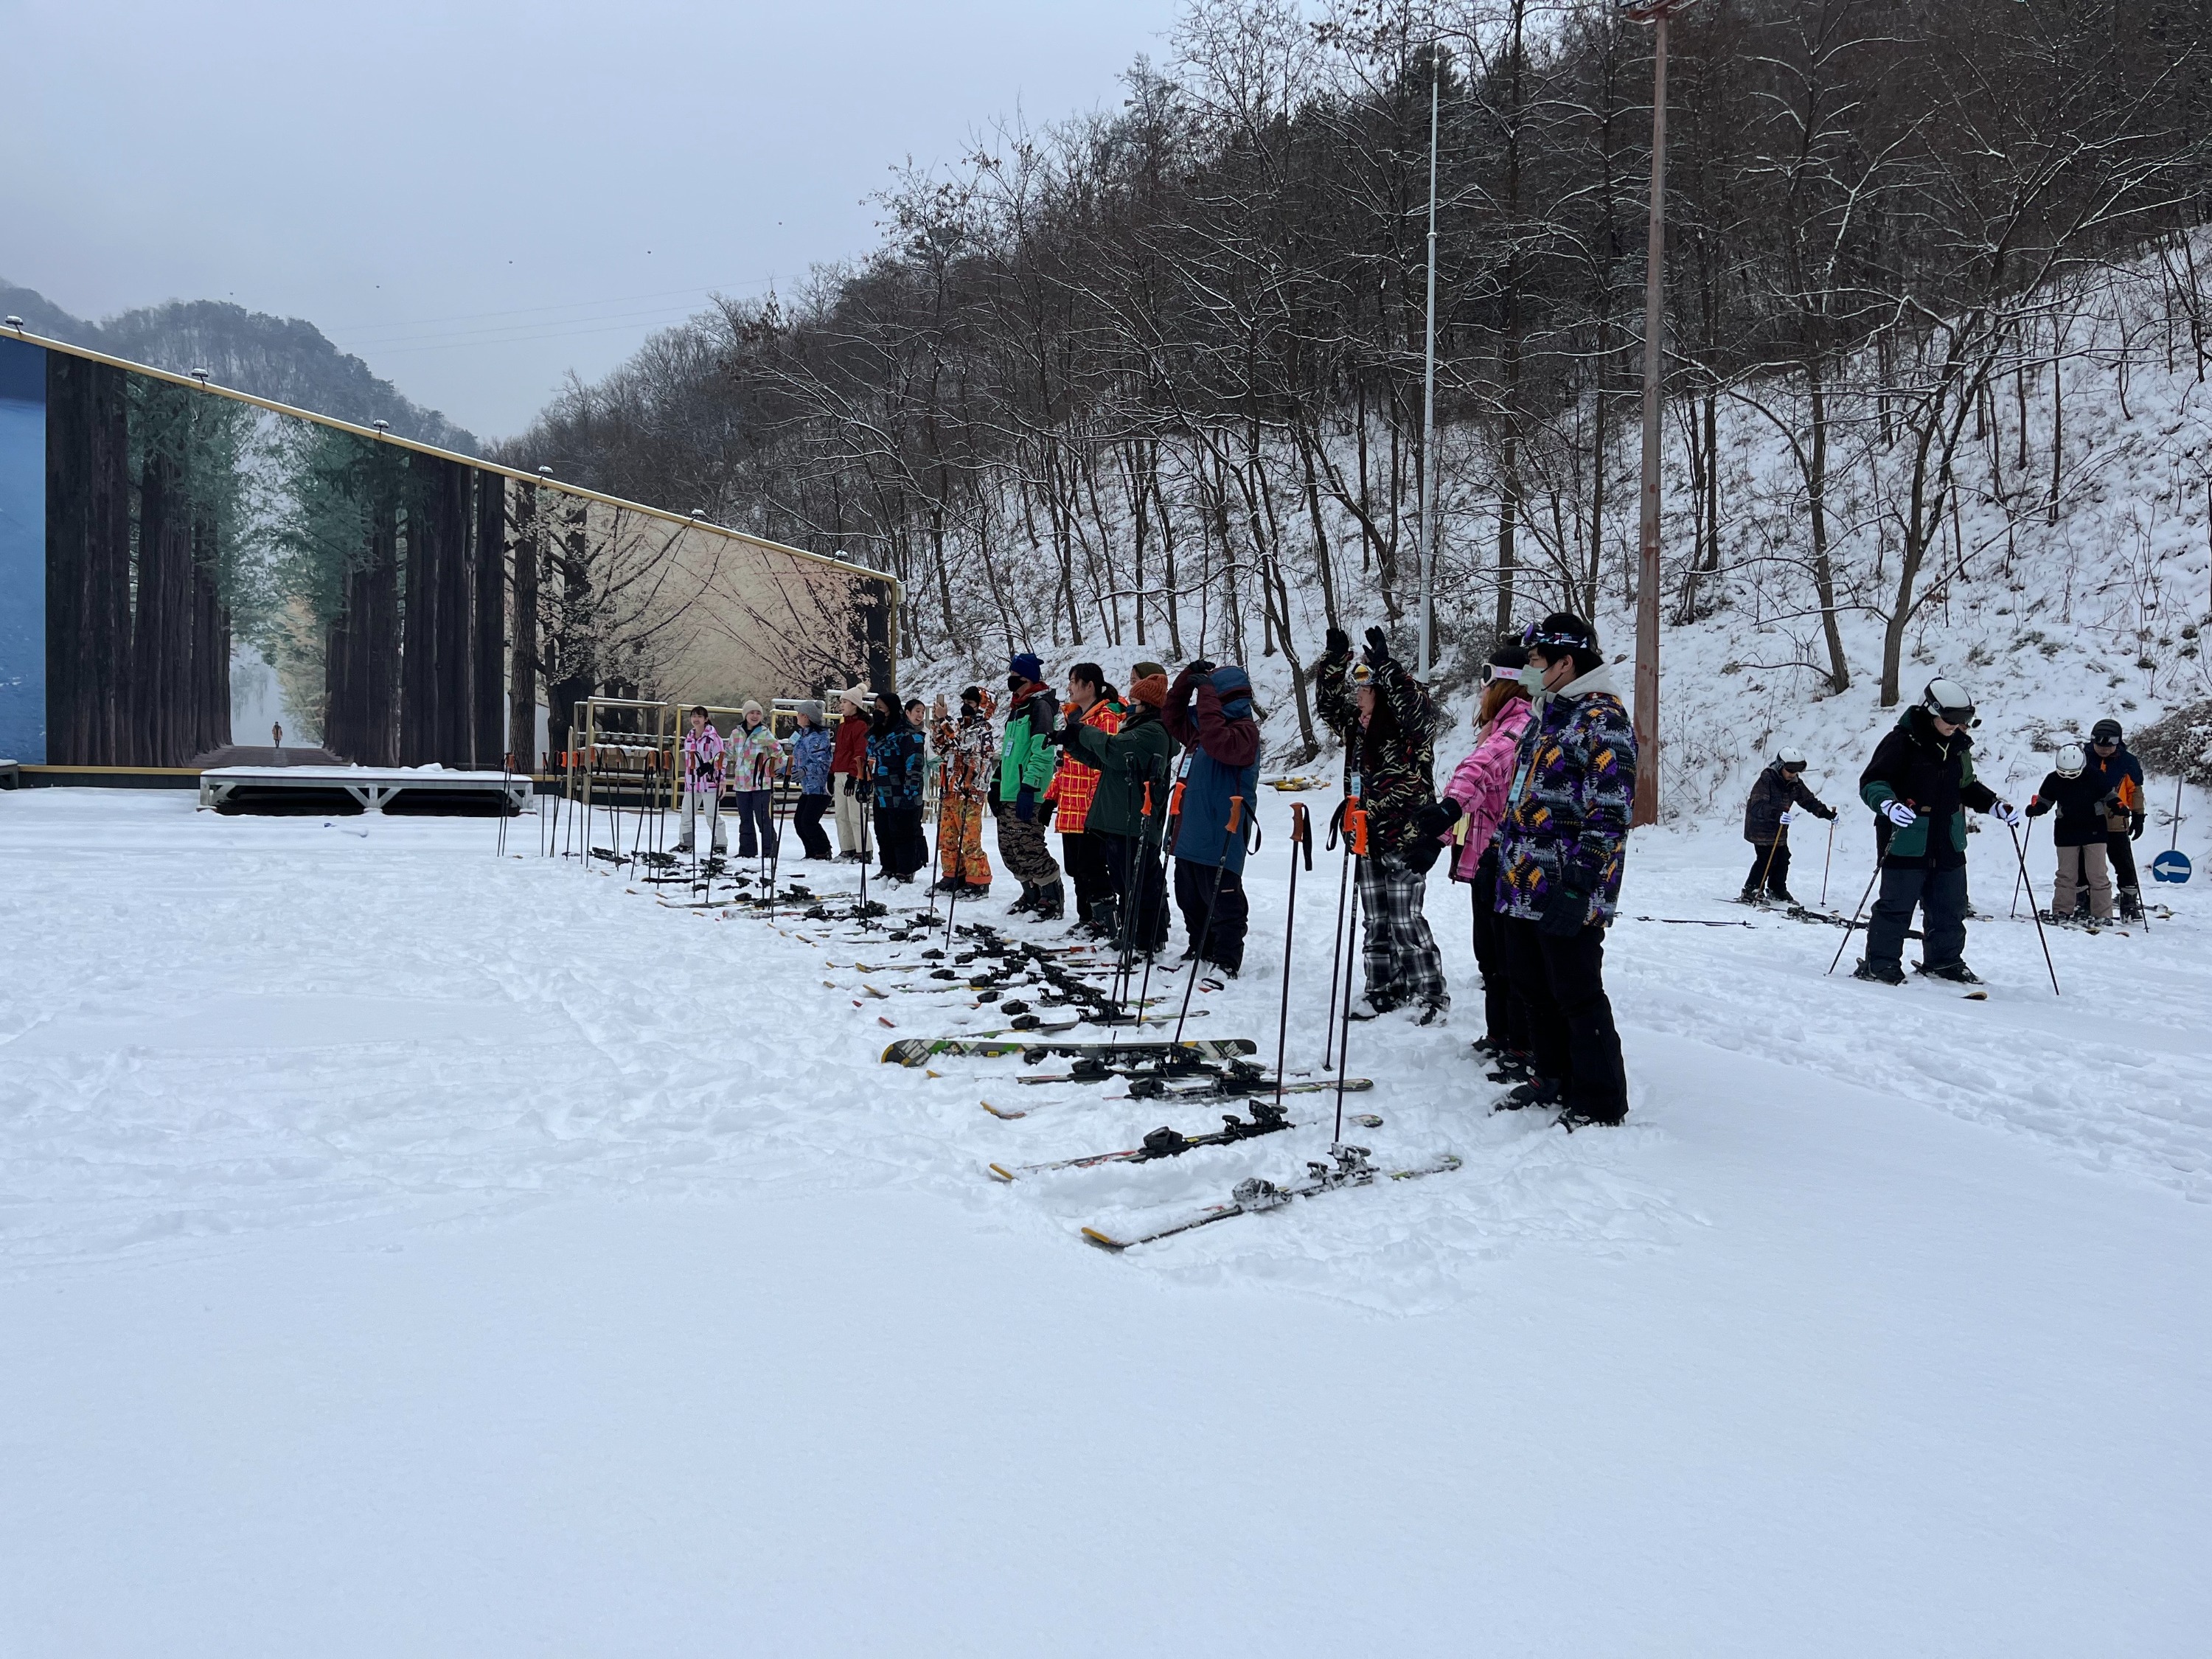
(2104,743)
(1491,674)
(1362,675)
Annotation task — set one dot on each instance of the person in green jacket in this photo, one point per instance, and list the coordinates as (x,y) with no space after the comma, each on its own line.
(1130,811)
(1026,763)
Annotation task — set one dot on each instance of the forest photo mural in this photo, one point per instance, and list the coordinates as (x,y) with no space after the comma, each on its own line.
(166,549)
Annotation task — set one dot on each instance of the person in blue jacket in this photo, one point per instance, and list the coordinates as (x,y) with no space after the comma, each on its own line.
(811,751)
(1209,711)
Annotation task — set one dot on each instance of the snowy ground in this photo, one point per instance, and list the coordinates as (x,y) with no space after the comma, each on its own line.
(404,1251)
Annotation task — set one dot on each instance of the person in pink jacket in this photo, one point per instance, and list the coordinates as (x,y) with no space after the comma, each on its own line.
(1478,789)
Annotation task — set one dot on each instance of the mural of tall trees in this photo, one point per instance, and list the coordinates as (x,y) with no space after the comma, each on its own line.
(146,525)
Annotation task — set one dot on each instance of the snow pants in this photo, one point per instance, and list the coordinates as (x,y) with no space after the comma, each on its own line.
(1506,1016)
(1139,888)
(2120,848)
(756,811)
(1769,869)
(1570,1017)
(1214,913)
(1021,845)
(1941,896)
(807,821)
(960,855)
(851,826)
(1400,953)
(900,839)
(2080,868)
(698,803)
(1084,856)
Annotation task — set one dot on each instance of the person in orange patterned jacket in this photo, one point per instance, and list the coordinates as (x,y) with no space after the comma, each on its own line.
(968,761)
(1090,702)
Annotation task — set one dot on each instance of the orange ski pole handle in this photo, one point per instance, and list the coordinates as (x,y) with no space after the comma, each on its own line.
(1174,800)
(1301,832)
(1355,829)
(1236,813)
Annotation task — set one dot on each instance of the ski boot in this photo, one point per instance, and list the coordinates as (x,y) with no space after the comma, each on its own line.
(1431,1013)
(1538,1091)
(1957,972)
(1572,1118)
(1370,1006)
(1879,973)
(1028,901)
(1512,1065)
(1051,902)
(2131,906)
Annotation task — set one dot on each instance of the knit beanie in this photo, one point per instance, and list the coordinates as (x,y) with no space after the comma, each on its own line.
(1148,683)
(1026,664)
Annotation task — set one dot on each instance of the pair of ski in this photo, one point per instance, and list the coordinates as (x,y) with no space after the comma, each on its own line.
(1349,1167)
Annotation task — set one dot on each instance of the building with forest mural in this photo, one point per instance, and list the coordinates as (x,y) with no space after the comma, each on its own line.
(172,554)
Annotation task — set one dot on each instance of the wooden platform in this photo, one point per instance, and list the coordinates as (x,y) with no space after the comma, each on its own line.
(350,789)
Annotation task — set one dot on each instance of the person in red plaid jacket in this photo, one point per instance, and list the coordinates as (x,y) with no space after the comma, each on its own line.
(1090,702)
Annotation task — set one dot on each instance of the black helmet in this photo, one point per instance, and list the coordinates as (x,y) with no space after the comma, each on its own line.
(1948,701)
(2105,730)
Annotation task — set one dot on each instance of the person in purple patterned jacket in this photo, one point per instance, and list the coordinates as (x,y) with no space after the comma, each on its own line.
(1560,851)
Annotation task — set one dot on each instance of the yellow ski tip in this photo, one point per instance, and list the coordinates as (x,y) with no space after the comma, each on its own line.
(1103,1241)
(1000,1171)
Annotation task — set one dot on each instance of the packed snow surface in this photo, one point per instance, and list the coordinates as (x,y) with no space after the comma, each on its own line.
(408,1250)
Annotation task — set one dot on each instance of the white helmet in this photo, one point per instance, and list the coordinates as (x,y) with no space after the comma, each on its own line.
(2071,760)
(1949,700)
(1790,760)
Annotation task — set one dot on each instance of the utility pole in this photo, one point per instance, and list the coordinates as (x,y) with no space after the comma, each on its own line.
(1656,13)
(1429,398)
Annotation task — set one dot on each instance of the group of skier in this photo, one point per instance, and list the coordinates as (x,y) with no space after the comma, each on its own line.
(1920,785)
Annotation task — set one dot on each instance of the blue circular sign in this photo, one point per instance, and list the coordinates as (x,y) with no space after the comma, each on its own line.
(2170,866)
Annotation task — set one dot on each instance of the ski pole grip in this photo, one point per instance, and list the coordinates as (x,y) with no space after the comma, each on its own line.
(1236,813)
(1355,826)
(1301,832)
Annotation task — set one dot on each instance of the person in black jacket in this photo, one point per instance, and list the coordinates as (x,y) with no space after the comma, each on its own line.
(2119,780)
(1920,783)
(2078,833)
(1766,815)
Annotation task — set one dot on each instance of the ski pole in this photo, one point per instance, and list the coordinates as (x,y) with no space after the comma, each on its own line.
(1301,836)
(1168,832)
(2019,879)
(1854,922)
(2019,853)
(1355,842)
(1212,904)
(1336,946)
(1828,860)
(1766,874)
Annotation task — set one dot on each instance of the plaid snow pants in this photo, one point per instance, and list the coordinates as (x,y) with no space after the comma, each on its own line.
(1023,848)
(1400,954)
(960,855)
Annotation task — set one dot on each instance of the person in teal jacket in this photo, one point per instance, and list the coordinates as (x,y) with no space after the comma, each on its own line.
(1026,763)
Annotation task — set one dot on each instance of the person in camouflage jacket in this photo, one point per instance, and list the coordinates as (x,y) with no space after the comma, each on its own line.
(1560,854)
(968,758)
(1388,724)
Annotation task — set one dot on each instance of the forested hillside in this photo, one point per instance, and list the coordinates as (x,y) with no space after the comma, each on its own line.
(282,358)
(1153,375)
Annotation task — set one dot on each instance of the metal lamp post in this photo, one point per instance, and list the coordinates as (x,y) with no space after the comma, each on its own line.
(1656,13)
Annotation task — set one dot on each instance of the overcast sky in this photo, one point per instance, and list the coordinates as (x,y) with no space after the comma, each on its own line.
(478,196)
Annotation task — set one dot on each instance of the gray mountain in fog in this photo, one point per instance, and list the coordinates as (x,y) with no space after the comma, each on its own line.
(284,359)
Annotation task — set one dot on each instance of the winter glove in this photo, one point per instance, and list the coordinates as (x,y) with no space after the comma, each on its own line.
(1378,648)
(1025,805)
(1197,670)
(1045,812)
(1565,911)
(1899,814)
(1437,819)
(2005,813)
(1828,813)
(1339,644)
(2135,826)
(1055,738)
(2037,806)
(1785,819)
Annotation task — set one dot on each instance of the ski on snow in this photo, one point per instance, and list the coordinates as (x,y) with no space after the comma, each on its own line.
(1266,1119)
(1350,1169)
(917,1051)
